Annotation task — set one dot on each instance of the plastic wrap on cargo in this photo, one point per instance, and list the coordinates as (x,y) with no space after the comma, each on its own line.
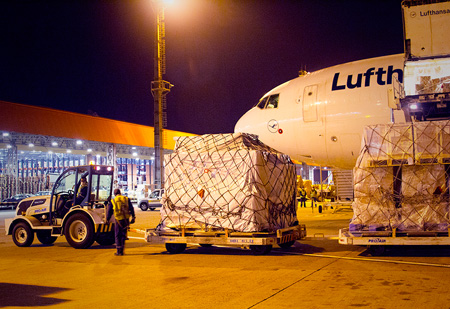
(228,181)
(401,178)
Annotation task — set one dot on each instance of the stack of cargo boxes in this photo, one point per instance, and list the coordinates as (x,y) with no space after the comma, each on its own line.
(228,181)
(401,178)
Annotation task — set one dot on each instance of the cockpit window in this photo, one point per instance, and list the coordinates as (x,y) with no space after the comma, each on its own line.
(272,102)
(262,103)
(269,102)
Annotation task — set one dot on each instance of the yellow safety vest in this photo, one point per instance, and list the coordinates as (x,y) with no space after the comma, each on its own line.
(302,192)
(79,189)
(120,207)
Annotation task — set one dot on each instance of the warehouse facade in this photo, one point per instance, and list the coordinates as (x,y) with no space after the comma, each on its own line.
(37,144)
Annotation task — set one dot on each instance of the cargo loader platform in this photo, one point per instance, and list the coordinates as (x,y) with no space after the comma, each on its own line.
(378,240)
(258,242)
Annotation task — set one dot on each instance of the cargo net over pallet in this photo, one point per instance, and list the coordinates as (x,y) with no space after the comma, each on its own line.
(401,178)
(228,181)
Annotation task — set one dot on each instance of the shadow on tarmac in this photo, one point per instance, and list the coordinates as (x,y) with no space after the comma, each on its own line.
(298,249)
(411,251)
(30,295)
(94,246)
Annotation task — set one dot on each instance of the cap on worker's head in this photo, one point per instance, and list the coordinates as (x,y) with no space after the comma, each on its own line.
(116,191)
(83,177)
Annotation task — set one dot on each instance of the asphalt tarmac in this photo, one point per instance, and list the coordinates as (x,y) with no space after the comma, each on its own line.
(314,273)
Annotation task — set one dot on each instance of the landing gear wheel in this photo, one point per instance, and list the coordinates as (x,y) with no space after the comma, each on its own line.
(286,245)
(45,237)
(22,235)
(105,239)
(143,206)
(175,248)
(261,250)
(79,231)
(377,250)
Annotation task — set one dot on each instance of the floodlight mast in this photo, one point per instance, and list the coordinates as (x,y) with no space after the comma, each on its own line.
(160,88)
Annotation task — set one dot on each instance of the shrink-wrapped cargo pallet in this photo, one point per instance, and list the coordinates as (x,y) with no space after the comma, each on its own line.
(228,181)
(401,178)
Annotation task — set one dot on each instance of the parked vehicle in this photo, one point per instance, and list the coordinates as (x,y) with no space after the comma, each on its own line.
(153,201)
(131,194)
(13,201)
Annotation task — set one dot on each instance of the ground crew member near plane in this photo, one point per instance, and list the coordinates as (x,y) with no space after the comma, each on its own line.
(313,197)
(122,209)
(302,197)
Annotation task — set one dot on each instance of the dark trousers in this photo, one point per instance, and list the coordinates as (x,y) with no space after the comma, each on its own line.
(120,233)
(302,202)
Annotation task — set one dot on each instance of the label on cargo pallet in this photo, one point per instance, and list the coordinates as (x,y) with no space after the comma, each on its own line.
(377,240)
(250,241)
(241,241)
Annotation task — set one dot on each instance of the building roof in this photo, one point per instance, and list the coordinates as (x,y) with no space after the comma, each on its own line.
(29,119)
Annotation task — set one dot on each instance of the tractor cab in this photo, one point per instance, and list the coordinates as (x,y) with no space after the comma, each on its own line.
(84,186)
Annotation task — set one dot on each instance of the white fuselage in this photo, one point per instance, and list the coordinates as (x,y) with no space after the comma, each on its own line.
(320,116)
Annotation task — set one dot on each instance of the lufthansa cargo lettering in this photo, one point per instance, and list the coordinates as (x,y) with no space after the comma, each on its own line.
(433,12)
(383,77)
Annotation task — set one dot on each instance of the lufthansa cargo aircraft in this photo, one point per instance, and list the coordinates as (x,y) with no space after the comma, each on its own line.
(318,118)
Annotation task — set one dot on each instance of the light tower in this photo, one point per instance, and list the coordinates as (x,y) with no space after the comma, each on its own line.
(160,88)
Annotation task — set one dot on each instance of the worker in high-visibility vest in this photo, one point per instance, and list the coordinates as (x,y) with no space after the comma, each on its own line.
(302,193)
(122,209)
(314,196)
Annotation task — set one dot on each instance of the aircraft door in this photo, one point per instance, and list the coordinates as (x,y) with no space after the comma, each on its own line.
(310,104)
(311,130)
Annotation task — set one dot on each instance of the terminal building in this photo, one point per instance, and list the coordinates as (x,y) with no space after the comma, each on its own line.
(37,144)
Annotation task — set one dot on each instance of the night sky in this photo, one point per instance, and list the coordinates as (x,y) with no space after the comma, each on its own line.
(222,56)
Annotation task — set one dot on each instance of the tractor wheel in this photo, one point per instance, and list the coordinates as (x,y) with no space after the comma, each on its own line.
(79,231)
(45,237)
(23,235)
(260,249)
(175,248)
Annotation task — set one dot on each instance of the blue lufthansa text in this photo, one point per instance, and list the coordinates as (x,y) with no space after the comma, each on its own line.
(382,76)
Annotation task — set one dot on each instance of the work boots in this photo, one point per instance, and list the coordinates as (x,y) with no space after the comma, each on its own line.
(119,251)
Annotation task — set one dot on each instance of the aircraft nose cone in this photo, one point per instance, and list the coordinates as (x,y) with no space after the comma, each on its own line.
(240,125)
